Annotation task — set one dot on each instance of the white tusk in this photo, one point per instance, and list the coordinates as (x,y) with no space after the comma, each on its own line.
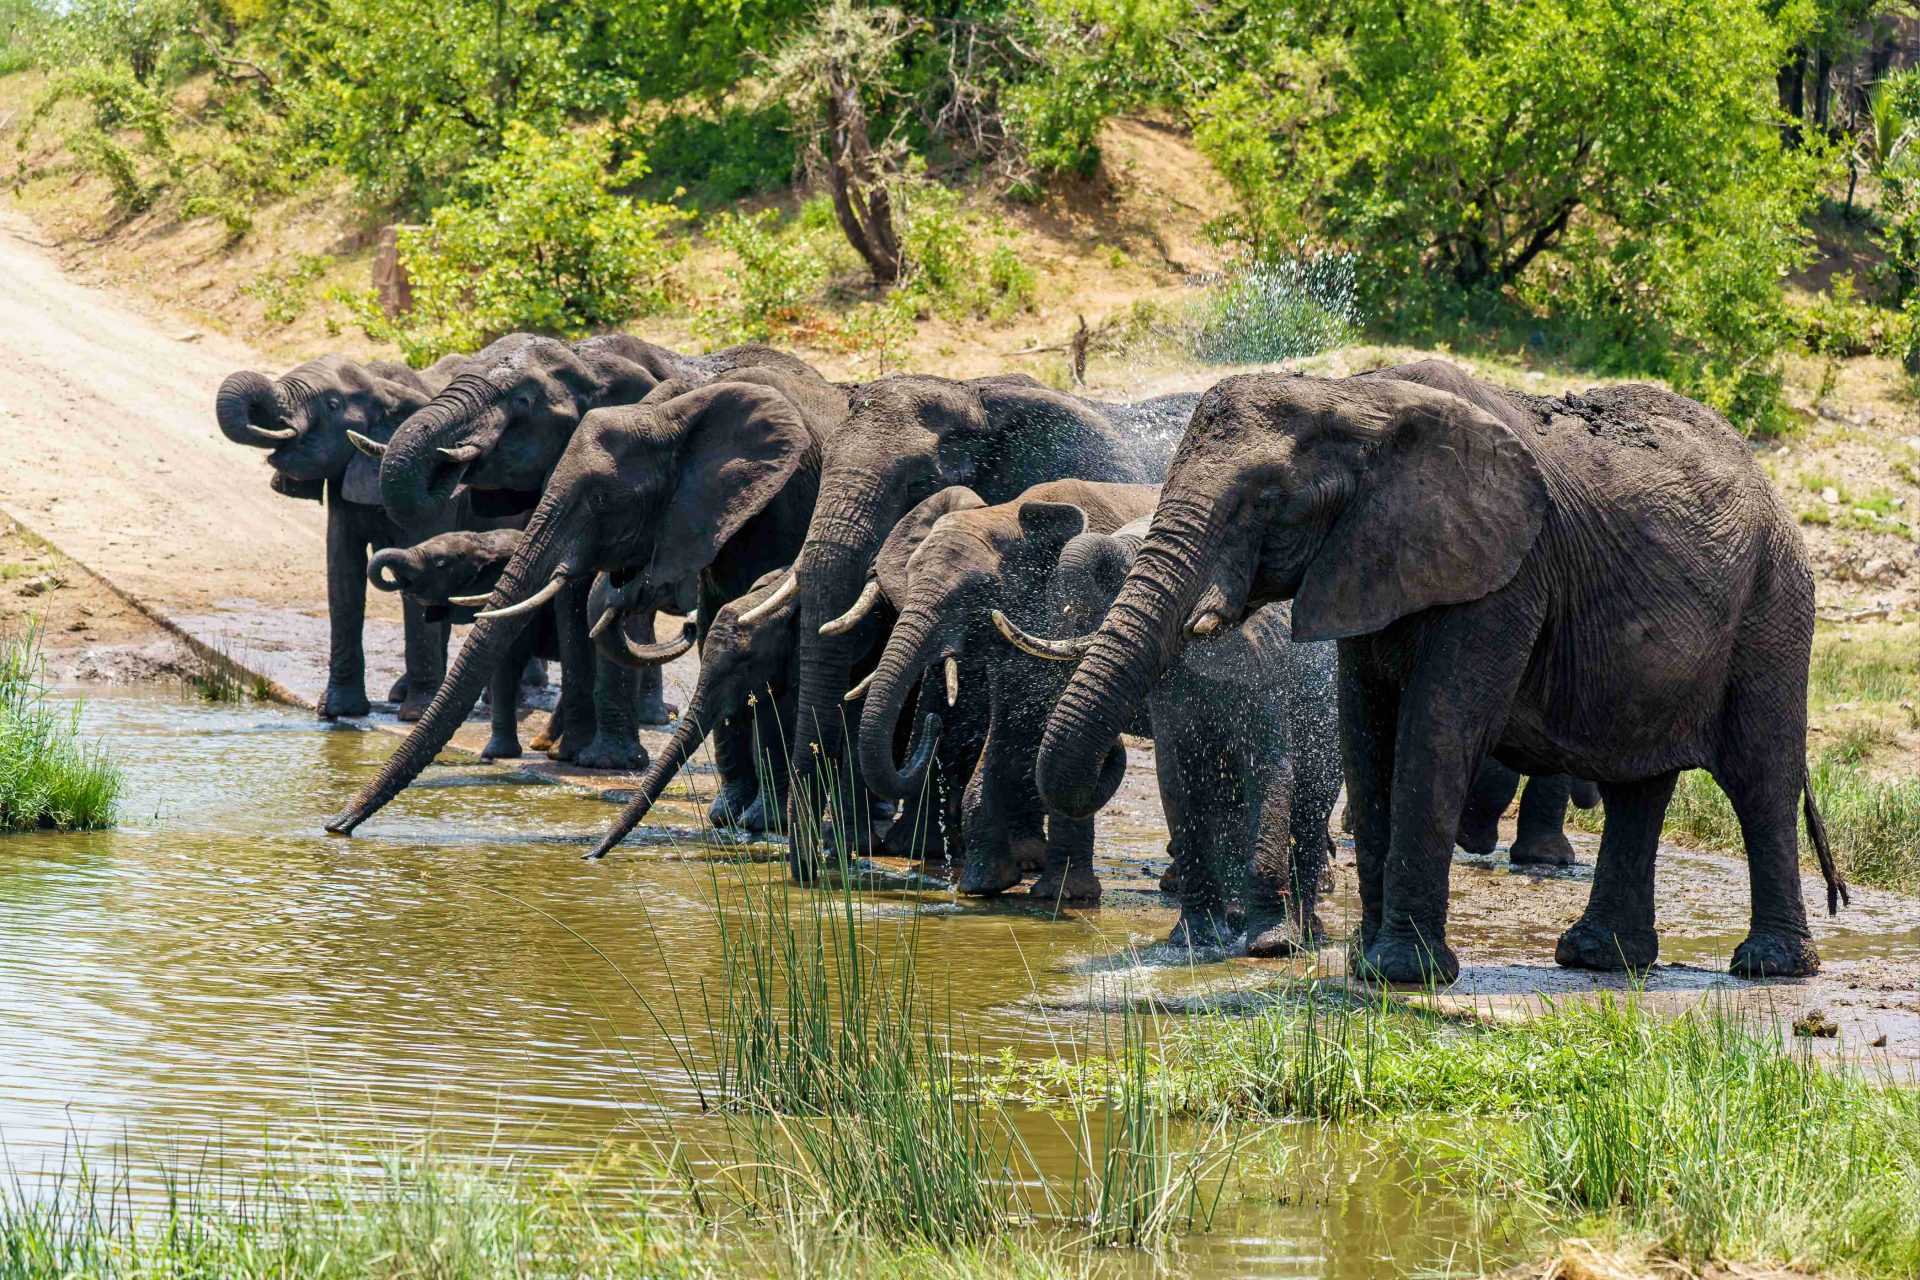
(952,665)
(460,455)
(277,433)
(869,596)
(1206,624)
(1054,650)
(787,590)
(372,448)
(859,691)
(470,602)
(607,618)
(532,602)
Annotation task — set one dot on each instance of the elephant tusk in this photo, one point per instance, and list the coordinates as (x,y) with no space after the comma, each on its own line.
(470,602)
(460,455)
(869,596)
(952,665)
(787,590)
(277,433)
(1071,650)
(1206,624)
(659,654)
(607,619)
(859,691)
(372,448)
(532,602)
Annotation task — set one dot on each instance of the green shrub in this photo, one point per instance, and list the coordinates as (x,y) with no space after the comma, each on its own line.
(48,776)
(543,245)
(771,285)
(123,133)
(1278,310)
(719,158)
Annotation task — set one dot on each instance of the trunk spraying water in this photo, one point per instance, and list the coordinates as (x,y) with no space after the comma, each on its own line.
(532,566)
(1135,645)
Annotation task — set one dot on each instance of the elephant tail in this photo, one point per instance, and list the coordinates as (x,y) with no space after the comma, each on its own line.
(1817,828)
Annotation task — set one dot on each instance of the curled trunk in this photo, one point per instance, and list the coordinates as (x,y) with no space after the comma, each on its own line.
(1133,648)
(380,569)
(416,478)
(910,651)
(250,411)
(686,739)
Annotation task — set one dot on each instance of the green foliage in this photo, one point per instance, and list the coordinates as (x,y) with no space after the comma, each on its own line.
(544,244)
(721,157)
(22,24)
(283,294)
(139,35)
(123,131)
(49,777)
(1276,310)
(772,283)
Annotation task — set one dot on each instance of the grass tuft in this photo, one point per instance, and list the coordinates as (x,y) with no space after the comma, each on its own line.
(48,776)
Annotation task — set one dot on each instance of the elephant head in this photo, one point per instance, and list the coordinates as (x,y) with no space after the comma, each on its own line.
(904,439)
(652,491)
(305,418)
(1361,500)
(446,566)
(740,662)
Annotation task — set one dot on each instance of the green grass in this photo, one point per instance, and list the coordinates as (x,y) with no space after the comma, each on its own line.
(49,777)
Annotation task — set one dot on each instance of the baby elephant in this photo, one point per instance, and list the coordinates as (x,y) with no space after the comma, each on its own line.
(1246,742)
(1540,839)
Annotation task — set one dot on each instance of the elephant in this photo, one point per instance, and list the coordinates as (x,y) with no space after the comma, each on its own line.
(305,418)
(906,438)
(498,429)
(1603,584)
(704,485)
(745,670)
(1541,840)
(1246,746)
(969,561)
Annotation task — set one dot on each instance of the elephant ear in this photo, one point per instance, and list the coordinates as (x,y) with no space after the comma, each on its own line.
(287,485)
(890,566)
(1049,526)
(1040,431)
(738,445)
(1447,509)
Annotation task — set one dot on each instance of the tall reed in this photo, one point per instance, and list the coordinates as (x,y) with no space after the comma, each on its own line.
(49,777)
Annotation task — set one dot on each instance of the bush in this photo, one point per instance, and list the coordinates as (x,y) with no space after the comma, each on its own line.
(771,286)
(543,245)
(716,159)
(48,776)
(1280,310)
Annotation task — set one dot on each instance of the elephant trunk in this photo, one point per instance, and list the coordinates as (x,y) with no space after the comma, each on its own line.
(1139,639)
(616,646)
(418,479)
(389,570)
(686,739)
(534,564)
(910,650)
(250,411)
(831,572)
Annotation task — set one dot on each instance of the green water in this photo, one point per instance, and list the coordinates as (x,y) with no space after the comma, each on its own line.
(218,972)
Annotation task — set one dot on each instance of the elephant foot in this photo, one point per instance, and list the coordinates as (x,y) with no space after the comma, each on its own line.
(734,803)
(655,712)
(1079,886)
(535,675)
(1282,935)
(1030,853)
(610,753)
(1477,837)
(1170,878)
(1550,849)
(1394,958)
(548,739)
(1775,955)
(399,691)
(1201,931)
(984,876)
(411,709)
(501,747)
(1592,945)
(343,700)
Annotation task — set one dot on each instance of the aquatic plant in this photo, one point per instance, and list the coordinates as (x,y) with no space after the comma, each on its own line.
(49,777)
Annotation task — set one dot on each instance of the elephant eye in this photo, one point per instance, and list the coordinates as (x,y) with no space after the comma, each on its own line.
(333,403)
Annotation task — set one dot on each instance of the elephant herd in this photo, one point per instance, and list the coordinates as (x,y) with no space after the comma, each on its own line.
(927,610)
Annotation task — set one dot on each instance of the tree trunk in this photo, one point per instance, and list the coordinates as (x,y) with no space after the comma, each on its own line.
(1792,83)
(860,201)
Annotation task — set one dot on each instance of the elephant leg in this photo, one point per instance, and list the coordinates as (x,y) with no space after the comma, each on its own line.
(1460,688)
(1068,876)
(347,541)
(734,762)
(1283,884)
(1541,838)
(578,660)
(1493,789)
(616,739)
(1369,710)
(1616,931)
(535,675)
(996,809)
(958,756)
(426,649)
(651,697)
(503,743)
(1762,768)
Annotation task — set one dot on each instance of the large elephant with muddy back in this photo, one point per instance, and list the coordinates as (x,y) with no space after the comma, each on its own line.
(709,484)
(1601,584)
(906,438)
(306,419)
(498,430)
